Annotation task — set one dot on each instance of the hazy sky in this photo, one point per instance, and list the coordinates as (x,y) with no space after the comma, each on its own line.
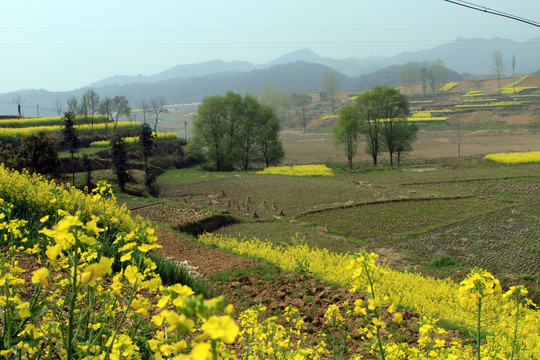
(66,44)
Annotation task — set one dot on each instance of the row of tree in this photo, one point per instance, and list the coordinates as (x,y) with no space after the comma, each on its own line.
(380,116)
(70,139)
(291,108)
(235,131)
(434,75)
(115,108)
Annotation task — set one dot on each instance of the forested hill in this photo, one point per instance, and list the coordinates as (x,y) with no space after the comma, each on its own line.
(292,77)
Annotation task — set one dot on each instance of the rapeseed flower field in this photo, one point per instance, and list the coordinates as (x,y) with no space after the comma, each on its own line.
(134,139)
(298,170)
(515,158)
(76,299)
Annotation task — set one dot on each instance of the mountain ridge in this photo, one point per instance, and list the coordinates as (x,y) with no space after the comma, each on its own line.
(476,60)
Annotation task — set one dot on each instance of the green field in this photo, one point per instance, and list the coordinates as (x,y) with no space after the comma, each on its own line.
(473,211)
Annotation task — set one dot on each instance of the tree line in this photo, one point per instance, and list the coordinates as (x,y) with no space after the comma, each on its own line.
(380,115)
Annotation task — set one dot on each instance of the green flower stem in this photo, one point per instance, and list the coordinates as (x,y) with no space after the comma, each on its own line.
(107,353)
(514,340)
(72,303)
(379,342)
(478,328)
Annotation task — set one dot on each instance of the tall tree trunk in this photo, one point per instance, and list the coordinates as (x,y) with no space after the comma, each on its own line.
(73,169)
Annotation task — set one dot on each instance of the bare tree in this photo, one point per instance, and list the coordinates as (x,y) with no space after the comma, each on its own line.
(158,107)
(302,101)
(114,108)
(408,76)
(120,107)
(58,105)
(498,66)
(73,105)
(439,72)
(330,84)
(19,101)
(145,108)
(90,99)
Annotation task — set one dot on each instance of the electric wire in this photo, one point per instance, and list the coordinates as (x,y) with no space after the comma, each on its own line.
(487,10)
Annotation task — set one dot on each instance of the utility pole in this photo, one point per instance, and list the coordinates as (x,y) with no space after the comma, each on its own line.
(37,105)
(185,130)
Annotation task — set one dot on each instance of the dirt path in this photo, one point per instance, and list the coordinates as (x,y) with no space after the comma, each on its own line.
(206,260)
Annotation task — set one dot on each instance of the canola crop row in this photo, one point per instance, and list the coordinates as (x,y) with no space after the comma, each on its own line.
(436,298)
(134,139)
(515,158)
(13,135)
(50,121)
(298,170)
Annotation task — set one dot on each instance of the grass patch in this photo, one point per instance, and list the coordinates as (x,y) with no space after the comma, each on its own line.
(443,261)
(172,273)
(390,222)
(189,175)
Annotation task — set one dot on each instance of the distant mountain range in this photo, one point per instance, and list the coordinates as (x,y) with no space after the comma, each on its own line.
(468,56)
(298,70)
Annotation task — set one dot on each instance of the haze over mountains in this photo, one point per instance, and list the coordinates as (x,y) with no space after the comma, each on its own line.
(295,71)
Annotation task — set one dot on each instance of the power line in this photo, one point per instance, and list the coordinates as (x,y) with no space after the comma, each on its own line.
(484,9)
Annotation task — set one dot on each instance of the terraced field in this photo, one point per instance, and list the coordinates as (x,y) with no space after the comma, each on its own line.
(475,212)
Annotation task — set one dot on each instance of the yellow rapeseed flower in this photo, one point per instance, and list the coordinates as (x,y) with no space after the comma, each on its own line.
(24,309)
(40,277)
(221,328)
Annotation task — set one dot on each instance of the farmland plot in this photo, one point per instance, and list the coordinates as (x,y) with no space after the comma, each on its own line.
(478,213)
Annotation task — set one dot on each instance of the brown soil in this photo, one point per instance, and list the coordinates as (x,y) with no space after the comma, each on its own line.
(169,215)
(207,261)
(304,148)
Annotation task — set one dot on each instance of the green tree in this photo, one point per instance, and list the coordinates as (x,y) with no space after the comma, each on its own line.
(119,161)
(498,66)
(229,130)
(251,124)
(396,110)
(210,129)
(347,130)
(146,142)
(376,108)
(38,154)
(71,140)
(271,150)
(406,136)
(330,84)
